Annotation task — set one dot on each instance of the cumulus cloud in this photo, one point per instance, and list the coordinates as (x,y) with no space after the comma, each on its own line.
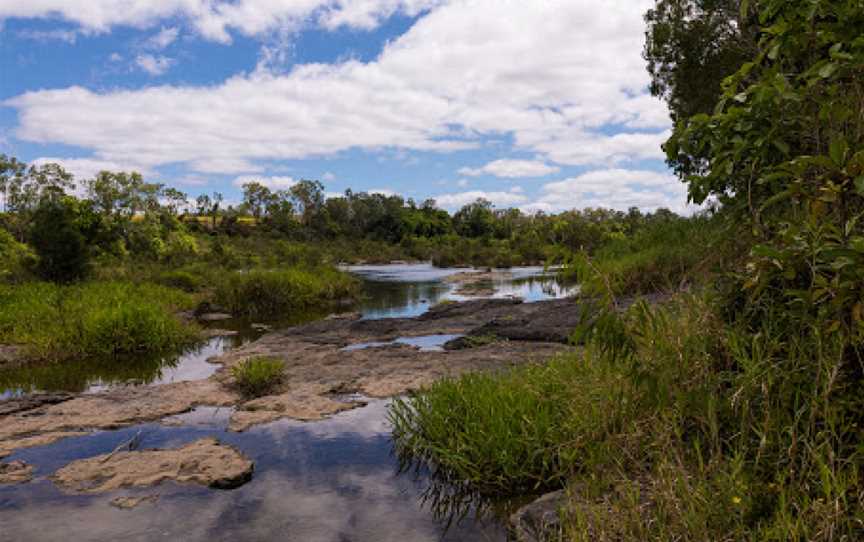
(614,189)
(87,168)
(499,199)
(214,19)
(466,70)
(163,39)
(154,65)
(512,169)
(66,36)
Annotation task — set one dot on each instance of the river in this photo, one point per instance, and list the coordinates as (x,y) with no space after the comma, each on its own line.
(334,480)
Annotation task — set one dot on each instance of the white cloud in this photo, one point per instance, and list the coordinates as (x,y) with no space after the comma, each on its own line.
(214,19)
(467,69)
(462,183)
(67,36)
(273,183)
(115,57)
(163,39)
(154,65)
(328,177)
(87,168)
(499,199)
(614,189)
(512,169)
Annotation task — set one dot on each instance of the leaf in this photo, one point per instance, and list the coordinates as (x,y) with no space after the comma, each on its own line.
(859,185)
(827,70)
(782,146)
(839,149)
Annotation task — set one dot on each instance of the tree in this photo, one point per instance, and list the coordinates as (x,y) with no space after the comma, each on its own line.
(691,46)
(308,199)
(475,219)
(257,198)
(58,241)
(175,200)
(11,171)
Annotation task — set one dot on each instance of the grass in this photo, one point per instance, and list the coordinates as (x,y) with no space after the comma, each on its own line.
(677,421)
(256,377)
(664,257)
(94,319)
(274,293)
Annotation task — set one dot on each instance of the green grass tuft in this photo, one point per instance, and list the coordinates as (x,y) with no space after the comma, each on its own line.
(258,376)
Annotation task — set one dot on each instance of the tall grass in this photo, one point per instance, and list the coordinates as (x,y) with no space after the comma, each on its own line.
(274,293)
(661,257)
(93,319)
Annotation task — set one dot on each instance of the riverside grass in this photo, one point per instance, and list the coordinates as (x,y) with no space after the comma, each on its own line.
(93,319)
(272,293)
(675,423)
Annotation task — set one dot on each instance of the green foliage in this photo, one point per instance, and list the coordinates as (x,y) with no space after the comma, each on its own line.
(691,46)
(274,293)
(256,377)
(103,319)
(665,255)
(57,239)
(15,258)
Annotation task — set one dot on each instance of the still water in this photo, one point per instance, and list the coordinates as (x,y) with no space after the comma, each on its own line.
(335,480)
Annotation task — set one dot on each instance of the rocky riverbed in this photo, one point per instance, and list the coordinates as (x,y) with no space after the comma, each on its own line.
(324,361)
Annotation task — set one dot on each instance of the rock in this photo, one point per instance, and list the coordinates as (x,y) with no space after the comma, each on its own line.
(205,462)
(214,317)
(541,520)
(128,503)
(207,307)
(345,316)
(15,472)
(261,327)
(112,409)
(29,402)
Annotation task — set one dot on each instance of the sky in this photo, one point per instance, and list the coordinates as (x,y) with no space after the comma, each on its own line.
(541,105)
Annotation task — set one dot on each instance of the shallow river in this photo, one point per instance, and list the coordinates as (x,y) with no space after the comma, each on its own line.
(335,480)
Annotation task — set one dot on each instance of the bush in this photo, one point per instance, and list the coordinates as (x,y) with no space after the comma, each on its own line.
(258,376)
(93,319)
(272,294)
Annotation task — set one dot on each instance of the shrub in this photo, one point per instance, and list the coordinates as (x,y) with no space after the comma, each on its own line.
(15,258)
(93,319)
(258,376)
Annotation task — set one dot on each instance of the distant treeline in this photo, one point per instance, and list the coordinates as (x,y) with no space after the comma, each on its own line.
(120,215)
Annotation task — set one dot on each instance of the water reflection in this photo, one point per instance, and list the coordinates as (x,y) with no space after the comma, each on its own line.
(328,481)
(409,290)
(426,343)
(97,374)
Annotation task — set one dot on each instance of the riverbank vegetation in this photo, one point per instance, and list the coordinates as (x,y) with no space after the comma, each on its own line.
(731,411)
(93,319)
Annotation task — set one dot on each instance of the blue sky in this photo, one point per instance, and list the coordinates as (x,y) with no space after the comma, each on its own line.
(537,105)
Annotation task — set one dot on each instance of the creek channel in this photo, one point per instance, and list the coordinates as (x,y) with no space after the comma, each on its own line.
(333,480)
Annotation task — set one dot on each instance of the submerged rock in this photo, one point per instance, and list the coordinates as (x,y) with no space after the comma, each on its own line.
(205,462)
(15,472)
(540,520)
(128,503)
